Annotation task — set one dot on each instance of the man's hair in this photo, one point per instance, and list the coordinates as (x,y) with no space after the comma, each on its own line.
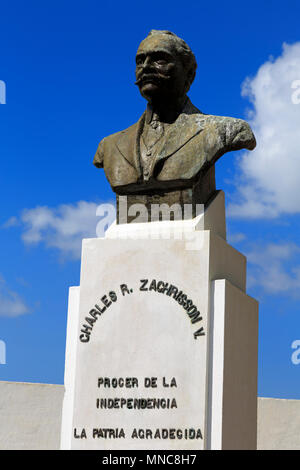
(184,51)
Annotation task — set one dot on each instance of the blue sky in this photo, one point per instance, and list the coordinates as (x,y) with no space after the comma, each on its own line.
(69,73)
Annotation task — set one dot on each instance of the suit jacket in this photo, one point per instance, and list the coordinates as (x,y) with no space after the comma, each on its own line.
(190,146)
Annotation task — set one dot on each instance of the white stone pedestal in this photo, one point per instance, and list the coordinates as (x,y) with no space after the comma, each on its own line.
(162,340)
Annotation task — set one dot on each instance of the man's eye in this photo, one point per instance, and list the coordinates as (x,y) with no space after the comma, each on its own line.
(139,61)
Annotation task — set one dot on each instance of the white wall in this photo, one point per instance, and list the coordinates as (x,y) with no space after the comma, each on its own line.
(30,415)
(278,424)
(30,418)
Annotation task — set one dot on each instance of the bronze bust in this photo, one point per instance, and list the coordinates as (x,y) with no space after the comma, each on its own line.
(168,156)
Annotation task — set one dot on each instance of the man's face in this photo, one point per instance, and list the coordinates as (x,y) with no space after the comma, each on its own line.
(159,71)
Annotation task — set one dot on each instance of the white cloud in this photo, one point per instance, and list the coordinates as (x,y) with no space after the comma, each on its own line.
(11,304)
(62,227)
(234,238)
(269,181)
(12,222)
(270,270)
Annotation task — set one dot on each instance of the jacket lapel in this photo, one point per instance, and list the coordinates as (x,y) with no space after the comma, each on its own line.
(128,144)
(185,128)
(188,124)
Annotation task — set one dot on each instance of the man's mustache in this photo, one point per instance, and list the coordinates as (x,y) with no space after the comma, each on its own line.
(156,77)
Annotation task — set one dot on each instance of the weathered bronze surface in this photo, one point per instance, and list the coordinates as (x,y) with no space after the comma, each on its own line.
(168,156)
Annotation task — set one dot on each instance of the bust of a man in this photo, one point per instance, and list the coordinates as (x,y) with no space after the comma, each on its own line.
(168,156)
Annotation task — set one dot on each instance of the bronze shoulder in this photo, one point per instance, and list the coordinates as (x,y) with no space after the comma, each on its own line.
(109,141)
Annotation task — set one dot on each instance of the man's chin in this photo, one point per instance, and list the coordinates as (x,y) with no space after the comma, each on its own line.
(150,90)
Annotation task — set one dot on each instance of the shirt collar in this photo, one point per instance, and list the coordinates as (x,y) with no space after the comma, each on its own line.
(150,115)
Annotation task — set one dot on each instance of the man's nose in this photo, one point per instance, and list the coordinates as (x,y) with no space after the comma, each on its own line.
(147,62)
